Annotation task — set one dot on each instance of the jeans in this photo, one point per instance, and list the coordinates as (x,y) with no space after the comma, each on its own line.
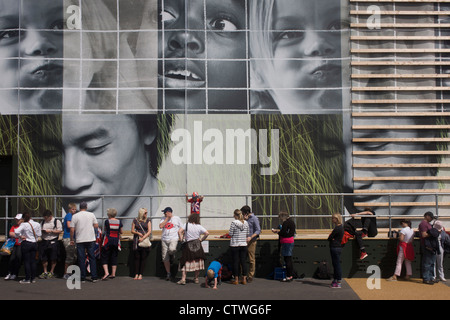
(428,263)
(82,248)
(336,262)
(29,250)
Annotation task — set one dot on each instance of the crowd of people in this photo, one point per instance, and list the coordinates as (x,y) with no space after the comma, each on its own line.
(81,234)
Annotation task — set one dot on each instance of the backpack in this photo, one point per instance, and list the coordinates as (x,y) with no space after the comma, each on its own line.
(431,242)
(322,271)
(55,223)
(445,242)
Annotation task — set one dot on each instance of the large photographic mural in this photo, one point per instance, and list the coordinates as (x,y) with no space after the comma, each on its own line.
(135,103)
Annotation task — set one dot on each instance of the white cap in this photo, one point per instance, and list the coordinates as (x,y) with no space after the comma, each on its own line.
(18,216)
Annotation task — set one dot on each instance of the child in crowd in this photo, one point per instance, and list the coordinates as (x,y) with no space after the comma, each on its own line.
(214,272)
(15,259)
(405,250)
(195,202)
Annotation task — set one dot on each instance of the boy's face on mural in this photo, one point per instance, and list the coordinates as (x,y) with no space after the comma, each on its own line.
(198,49)
(104,156)
(306,52)
(31,30)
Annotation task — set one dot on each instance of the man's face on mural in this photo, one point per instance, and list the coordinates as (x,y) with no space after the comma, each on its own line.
(103,155)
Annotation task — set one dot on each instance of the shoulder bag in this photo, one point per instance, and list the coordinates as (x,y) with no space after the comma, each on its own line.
(146,242)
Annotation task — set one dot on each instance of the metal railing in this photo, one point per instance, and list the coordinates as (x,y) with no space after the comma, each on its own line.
(247,199)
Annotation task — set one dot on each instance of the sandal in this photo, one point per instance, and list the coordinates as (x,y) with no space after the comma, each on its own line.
(105,277)
(182,282)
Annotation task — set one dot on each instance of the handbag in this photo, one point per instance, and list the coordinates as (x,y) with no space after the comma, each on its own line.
(146,242)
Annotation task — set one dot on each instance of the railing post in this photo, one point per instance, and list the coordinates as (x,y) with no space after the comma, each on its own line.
(6,218)
(151,206)
(54,207)
(295,205)
(103,210)
(390,214)
(437,205)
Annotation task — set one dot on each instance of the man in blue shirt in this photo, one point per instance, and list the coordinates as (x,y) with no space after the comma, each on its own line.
(254,232)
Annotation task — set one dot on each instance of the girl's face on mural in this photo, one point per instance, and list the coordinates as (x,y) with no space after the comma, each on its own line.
(199,50)
(31,30)
(306,52)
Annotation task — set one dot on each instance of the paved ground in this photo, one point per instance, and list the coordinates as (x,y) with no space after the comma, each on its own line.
(152,288)
(262,297)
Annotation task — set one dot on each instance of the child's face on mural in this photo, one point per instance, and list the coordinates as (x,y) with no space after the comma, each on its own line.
(306,52)
(31,30)
(200,45)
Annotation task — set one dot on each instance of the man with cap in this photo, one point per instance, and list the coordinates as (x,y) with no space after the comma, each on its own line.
(169,238)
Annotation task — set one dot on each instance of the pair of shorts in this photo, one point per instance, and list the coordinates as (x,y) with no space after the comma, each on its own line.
(168,248)
(71,252)
(48,250)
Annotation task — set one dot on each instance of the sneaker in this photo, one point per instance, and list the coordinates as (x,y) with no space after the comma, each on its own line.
(168,276)
(8,277)
(363,255)
(24,281)
(13,277)
(50,275)
(336,285)
(43,275)
(66,276)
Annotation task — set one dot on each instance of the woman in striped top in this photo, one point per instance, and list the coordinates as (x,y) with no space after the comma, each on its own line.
(238,243)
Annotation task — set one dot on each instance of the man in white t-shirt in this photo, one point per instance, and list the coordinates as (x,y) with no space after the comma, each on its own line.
(169,238)
(83,227)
